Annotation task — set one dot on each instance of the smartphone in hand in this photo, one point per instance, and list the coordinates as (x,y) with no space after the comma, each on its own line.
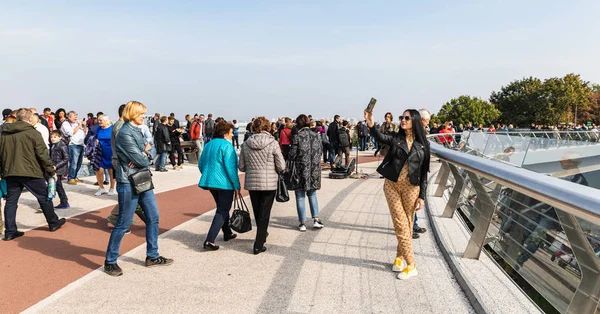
(371,105)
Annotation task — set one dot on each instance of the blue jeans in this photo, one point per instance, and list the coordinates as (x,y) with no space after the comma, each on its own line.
(301,206)
(75,158)
(332,154)
(128,201)
(161,162)
(415,224)
(363,143)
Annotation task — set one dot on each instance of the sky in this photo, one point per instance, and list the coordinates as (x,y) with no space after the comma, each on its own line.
(240,59)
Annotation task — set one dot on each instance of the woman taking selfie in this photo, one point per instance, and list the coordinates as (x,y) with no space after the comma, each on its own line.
(405,170)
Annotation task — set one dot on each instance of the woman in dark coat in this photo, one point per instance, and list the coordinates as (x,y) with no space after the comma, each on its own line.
(305,167)
(163,144)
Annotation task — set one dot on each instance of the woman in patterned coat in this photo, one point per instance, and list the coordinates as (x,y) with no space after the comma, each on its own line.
(305,171)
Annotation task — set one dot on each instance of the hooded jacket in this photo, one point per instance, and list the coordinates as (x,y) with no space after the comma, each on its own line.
(23,152)
(261,160)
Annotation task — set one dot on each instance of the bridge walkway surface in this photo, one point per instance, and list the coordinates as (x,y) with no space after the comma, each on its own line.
(343,268)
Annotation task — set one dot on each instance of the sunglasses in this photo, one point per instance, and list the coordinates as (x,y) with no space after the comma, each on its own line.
(406,118)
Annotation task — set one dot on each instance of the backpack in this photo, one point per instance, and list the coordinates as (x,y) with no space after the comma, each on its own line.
(324,139)
(343,138)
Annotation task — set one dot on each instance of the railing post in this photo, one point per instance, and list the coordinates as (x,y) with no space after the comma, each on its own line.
(587,294)
(456,192)
(484,218)
(443,168)
(443,176)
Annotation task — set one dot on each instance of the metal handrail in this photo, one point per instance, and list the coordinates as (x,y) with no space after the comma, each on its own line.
(581,201)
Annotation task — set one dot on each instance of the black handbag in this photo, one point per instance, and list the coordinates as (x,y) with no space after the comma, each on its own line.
(141,181)
(240,218)
(282,195)
(291,179)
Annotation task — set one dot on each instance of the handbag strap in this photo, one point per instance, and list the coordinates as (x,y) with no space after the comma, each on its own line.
(241,201)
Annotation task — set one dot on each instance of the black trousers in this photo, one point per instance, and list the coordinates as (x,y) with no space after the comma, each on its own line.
(39,189)
(262,202)
(179,155)
(60,190)
(224,200)
(235,140)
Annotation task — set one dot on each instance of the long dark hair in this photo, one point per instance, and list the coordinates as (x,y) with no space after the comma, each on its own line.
(57,113)
(419,133)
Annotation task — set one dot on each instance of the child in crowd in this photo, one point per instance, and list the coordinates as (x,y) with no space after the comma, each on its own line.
(59,154)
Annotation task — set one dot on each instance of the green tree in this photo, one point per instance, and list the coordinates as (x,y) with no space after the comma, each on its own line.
(465,109)
(565,95)
(521,102)
(549,102)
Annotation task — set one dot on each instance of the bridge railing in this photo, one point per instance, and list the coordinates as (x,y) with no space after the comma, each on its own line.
(545,228)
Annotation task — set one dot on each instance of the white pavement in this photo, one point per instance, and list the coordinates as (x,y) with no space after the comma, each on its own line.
(343,268)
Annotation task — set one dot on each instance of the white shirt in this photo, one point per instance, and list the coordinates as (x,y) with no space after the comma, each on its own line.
(44,132)
(146,132)
(68,129)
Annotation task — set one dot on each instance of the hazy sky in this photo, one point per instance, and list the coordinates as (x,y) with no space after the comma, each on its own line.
(239,59)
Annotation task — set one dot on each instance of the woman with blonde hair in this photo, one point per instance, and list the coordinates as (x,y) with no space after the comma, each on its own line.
(405,170)
(132,159)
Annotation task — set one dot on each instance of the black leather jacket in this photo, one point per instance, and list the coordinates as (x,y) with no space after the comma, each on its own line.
(396,157)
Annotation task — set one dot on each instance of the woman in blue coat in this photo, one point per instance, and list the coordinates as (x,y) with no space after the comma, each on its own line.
(218,166)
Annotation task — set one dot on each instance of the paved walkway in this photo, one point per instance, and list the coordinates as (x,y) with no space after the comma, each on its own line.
(344,267)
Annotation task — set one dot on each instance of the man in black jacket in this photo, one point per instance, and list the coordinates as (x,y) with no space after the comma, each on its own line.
(209,126)
(332,133)
(24,160)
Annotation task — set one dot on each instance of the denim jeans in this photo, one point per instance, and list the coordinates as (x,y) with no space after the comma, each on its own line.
(415,224)
(363,143)
(301,204)
(161,162)
(332,154)
(224,200)
(128,201)
(75,158)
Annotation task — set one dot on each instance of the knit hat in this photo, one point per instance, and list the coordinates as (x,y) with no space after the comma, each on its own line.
(5,113)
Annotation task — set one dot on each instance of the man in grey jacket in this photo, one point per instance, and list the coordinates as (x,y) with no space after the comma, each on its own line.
(209,127)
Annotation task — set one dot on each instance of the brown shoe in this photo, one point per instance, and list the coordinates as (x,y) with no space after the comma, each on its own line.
(78,180)
(72,182)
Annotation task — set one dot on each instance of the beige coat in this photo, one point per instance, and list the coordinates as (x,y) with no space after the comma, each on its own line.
(261,160)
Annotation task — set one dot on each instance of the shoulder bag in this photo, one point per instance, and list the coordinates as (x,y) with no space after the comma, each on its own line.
(240,218)
(282,195)
(141,180)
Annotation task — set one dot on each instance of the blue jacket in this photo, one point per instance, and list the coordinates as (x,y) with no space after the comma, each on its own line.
(218,166)
(130,148)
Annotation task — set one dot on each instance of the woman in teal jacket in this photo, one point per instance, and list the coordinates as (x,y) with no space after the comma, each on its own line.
(218,166)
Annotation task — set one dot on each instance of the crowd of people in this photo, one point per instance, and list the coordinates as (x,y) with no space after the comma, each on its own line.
(36,150)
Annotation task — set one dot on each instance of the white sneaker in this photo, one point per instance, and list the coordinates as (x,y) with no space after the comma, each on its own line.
(317,224)
(407,273)
(100,192)
(302,227)
(399,265)
(111,192)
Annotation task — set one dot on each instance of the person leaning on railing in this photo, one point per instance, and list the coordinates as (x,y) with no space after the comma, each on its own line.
(405,170)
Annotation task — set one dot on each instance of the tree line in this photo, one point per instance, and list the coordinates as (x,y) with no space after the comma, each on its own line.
(554,101)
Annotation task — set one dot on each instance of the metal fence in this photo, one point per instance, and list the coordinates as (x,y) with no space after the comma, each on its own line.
(545,228)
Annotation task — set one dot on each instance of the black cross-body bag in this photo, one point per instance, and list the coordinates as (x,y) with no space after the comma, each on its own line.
(141,180)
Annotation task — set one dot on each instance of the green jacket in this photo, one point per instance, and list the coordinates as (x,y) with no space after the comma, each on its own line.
(23,152)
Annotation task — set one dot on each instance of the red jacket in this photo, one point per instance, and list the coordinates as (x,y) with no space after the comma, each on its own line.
(195,130)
